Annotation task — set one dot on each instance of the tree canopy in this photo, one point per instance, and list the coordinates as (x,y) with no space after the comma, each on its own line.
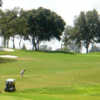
(43,25)
(86,28)
(40,24)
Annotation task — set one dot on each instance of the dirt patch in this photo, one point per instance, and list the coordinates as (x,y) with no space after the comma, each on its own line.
(28,59)
(25,59)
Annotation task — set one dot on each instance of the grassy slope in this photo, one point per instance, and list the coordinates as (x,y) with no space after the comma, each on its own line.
(52,76)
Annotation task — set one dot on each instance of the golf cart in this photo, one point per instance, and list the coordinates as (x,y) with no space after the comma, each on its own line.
(10,85)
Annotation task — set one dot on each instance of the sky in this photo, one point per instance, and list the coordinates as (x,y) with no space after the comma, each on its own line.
(67,9)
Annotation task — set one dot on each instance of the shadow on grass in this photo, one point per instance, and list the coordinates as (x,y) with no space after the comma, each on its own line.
(65,52)
(46,51)
(5,60)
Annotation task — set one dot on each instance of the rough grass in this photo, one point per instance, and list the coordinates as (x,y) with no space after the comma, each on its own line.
(52,76)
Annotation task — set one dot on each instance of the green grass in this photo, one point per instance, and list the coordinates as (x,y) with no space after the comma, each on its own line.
(51,76)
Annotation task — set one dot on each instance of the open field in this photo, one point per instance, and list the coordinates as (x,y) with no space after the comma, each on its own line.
(51,76)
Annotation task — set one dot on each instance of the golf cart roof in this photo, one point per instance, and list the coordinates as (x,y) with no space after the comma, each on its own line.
(10,80)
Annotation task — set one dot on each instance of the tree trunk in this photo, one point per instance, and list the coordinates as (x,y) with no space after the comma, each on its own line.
(38,44)
(20,41)
(4,43)
(13,42)
(34,44)
(87,47)
(80,47)
(7,43)
(87,50)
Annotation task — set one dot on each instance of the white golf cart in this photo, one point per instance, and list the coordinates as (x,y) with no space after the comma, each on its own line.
(10,85)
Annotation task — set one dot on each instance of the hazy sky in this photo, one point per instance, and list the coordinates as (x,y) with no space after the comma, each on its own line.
(68,9)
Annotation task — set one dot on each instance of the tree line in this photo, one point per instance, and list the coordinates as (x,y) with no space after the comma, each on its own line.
(40,24)
(85,30)
(43,24)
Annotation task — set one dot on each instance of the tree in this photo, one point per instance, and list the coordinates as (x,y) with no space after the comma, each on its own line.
(21,25)
(87,25)
(12,23)
(7,22)
(70,40)
(44,24)
(4,26)
(41,24)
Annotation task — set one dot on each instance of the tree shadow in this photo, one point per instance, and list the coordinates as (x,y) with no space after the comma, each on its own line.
(6,60)
(64,52)
(47,51)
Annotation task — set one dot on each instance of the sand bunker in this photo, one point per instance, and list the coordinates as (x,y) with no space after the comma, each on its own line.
(8,56)
(6,49)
